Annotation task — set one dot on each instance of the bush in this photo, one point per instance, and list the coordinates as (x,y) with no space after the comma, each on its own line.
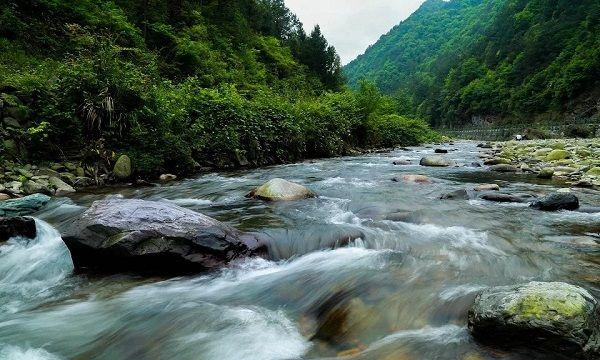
(395,130)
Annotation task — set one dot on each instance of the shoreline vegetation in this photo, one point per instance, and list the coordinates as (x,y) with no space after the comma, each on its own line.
(175,87)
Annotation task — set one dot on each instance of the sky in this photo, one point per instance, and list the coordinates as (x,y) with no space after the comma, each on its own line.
(352,25)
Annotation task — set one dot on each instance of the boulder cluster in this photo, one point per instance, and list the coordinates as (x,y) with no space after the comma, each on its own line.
(574,161)
(55,179)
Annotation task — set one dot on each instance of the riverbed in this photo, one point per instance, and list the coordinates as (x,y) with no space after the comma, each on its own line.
(400,290)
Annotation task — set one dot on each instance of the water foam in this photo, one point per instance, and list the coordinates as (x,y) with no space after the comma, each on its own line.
(30,268)
(9,352)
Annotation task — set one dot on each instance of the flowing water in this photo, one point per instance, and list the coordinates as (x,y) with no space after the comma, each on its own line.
(397,291)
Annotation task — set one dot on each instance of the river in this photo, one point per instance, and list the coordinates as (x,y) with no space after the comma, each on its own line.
(401,291)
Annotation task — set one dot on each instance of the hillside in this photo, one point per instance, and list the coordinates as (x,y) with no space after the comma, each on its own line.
(462,61)
(174,85)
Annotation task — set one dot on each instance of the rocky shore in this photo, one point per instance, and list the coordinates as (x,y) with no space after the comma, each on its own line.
(576,162)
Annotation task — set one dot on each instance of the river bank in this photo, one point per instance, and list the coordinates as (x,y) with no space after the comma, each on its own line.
(62,178)
(574,162)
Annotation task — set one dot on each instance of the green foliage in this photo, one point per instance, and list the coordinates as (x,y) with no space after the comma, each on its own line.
(467,59)
(394,130)
(177,84)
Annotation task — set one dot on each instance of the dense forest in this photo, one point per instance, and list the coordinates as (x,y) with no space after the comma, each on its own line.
(458,62)
(180,84)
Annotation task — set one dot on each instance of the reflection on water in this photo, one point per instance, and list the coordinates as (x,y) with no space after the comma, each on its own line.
(345,278)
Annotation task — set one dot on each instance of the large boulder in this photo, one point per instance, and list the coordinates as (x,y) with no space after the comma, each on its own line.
(23,206)
(279,190)
(152,238)
(556,202)
(556,315)
(122,169)
(16,226)
(436,161)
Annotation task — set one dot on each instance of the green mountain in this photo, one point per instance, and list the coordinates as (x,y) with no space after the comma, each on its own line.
(174,84)
(457,62)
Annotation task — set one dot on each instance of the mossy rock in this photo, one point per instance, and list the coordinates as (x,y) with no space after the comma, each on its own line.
(279,190)
(122,168)
(595,171)
(557,154)
(555,314)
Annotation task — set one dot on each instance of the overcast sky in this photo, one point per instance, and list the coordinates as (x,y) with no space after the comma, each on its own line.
(352,25)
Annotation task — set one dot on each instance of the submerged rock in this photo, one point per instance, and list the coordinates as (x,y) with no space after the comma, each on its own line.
(496,161)
(436,161)
(23,206)
(546,173)
(504,198)
(556,202)
(281,190)
(402,162)
(16,226)
(456,195)
(410,217)
(440,151)
(152,237)
(557,315)
(505,168)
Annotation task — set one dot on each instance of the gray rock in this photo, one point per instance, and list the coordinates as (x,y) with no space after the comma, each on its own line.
(410,217)
(16,226)
(35,187)
(505,168)
(436,161)
(152,238)
(556,315)
(61,187)
(505,198)
(556,202)
(23,206)
(457,195)
(279,189)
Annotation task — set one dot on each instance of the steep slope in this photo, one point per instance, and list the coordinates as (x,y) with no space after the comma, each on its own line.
(410,46)
(501,60)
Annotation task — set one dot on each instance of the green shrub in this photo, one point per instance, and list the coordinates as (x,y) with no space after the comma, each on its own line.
(395,130)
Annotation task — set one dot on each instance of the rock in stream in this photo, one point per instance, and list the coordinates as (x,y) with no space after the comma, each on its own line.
(152,237)
(555,315)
